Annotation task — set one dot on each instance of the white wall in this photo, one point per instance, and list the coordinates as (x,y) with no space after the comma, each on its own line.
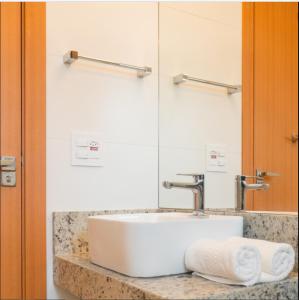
(112,102)
(203,40)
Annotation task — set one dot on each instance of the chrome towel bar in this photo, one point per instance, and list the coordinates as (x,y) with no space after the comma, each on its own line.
(231,89)
(73,55)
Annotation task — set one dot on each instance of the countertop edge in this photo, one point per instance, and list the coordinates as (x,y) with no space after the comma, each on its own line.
(87,281)
(111,287)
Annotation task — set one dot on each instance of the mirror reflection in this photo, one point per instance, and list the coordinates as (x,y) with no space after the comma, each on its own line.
(228,106)
(200,123)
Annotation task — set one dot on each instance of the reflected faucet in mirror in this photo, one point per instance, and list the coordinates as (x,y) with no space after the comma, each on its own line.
(242,187)
(197,187)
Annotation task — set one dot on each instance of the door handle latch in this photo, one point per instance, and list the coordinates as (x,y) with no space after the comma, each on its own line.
(8,171)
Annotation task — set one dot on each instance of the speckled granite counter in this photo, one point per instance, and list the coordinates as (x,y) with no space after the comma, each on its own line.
(74,272)
(88,281)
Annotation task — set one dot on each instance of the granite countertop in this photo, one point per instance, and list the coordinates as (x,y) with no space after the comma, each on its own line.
(74,272)
(88,281)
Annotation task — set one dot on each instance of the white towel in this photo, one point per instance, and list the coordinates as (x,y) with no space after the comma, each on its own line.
(278,259)
(229,262)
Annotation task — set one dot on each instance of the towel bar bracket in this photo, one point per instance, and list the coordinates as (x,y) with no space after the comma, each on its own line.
(70,57)
(231,89)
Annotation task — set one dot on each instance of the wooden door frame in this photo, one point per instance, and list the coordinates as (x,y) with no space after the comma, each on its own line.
(34,149)
(248,94)
(10,144)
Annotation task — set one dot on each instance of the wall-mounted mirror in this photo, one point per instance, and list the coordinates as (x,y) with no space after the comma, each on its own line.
(208,123)
(198,120)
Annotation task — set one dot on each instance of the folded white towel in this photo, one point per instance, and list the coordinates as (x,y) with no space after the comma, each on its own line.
(278,259)
(229,262)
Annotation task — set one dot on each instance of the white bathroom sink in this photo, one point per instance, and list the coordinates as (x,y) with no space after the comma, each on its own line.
(152,244)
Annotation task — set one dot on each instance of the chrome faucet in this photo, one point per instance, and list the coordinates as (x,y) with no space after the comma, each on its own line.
(242,186)
(197,187)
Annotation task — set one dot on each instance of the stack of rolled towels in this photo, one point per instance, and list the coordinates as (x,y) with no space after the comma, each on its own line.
(240,261)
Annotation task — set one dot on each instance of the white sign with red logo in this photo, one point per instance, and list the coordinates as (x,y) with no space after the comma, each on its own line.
(87,149)
(216,158)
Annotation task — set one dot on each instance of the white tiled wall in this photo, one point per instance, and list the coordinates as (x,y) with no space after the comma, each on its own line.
(203,40)
(110,101)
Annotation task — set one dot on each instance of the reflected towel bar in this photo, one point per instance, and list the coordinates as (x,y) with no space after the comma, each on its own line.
(73,55)
(231,89)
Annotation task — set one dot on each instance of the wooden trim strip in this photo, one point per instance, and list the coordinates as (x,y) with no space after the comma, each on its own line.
(248,94)
(34,150)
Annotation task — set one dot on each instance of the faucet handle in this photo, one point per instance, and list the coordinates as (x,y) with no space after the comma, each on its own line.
(189,174)
(195,176)
(263,174)
(244,177)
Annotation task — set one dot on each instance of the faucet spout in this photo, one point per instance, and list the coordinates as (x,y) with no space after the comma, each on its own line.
(181,185)
(256,186)
(197,187)
(242,187)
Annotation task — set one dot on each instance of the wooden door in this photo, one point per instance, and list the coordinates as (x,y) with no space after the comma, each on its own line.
(10,144)
(270,101)
(22,131)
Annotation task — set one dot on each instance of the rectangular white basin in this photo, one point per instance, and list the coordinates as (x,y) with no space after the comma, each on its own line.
(152,244)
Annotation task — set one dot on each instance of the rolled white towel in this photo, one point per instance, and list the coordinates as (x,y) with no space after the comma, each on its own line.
(229,262)
(278,259)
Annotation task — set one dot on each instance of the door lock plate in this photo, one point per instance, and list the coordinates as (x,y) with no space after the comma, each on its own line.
(8,171)
(8,178)
(7,163)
